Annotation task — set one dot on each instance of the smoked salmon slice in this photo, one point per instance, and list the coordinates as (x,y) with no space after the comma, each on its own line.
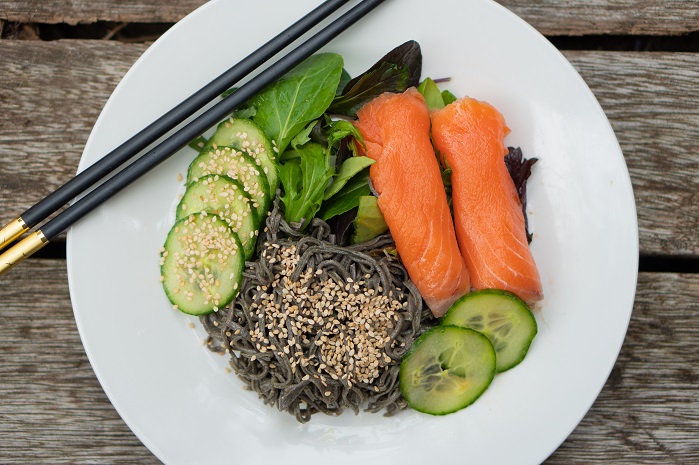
(468,135)
(406,175)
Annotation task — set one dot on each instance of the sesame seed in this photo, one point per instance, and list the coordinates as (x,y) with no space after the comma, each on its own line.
(340,328)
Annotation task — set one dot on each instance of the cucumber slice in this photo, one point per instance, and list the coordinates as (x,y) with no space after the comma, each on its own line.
(201,264)
(236,165)
(225,197)
(244,135)
(446,369)
(503,317)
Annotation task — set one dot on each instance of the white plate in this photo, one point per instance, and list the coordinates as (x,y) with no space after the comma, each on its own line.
(178,398)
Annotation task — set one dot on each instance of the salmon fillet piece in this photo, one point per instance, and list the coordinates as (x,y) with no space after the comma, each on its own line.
(469,136)
(406,175)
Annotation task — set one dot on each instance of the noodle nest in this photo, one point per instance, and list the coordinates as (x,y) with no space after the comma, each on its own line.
(291,339)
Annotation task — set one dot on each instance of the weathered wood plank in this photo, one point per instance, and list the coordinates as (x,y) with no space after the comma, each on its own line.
(578,17)
(650,100)
(51,94)
(52,408)
(551,17)
(77,11)
(647,413)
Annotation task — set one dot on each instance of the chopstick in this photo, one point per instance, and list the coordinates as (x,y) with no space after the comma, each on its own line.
(88,177)
(38,239)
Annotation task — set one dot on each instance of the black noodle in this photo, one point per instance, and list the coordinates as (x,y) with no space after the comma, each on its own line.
(275,375)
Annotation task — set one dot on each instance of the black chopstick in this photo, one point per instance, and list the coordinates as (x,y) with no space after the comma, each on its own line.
(179,139)
(107,164)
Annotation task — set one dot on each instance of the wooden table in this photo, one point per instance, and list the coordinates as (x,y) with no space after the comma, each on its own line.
(53,410)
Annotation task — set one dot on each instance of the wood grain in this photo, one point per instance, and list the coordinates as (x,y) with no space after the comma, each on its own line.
(52,92)
(578,17)
(648,411)
(651,102)
(52,409)
(86,11)
(50,96)
(551,17)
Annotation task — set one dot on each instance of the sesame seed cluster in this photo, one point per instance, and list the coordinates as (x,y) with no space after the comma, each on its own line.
(318,327)
(233,205)
(251,146)
(204,246)
(233,164)
(350,323)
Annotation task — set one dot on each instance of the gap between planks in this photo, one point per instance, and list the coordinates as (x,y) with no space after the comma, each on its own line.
(550,17)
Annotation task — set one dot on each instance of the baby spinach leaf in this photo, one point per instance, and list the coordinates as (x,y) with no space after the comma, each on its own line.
(398,70)
(433,97)
(298,97)
(304,180)
(291,177)
(228,92)
(245,110)
(348,197)
(348,169)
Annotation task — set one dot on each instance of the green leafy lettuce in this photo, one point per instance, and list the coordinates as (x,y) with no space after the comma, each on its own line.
(299,97)
(304,178)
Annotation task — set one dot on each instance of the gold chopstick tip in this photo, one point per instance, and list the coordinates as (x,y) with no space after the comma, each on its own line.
(12,231)
(21,250)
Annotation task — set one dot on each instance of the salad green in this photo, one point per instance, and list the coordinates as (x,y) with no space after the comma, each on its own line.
(369,222)
(302,95)
(319,165)
(296,140)
(396,71)
(304,178)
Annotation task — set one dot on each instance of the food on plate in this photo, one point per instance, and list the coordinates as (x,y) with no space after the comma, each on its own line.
(406,177)
(229,185)
(225,197)
(369,222)
(316,243)
(319,327)
(245,136)
(237,165)
(201,264)
(502,317)
(447,369)
(468,134)
(520,169)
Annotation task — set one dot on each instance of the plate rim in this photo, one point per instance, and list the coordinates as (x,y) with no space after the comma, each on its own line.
(155,448)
